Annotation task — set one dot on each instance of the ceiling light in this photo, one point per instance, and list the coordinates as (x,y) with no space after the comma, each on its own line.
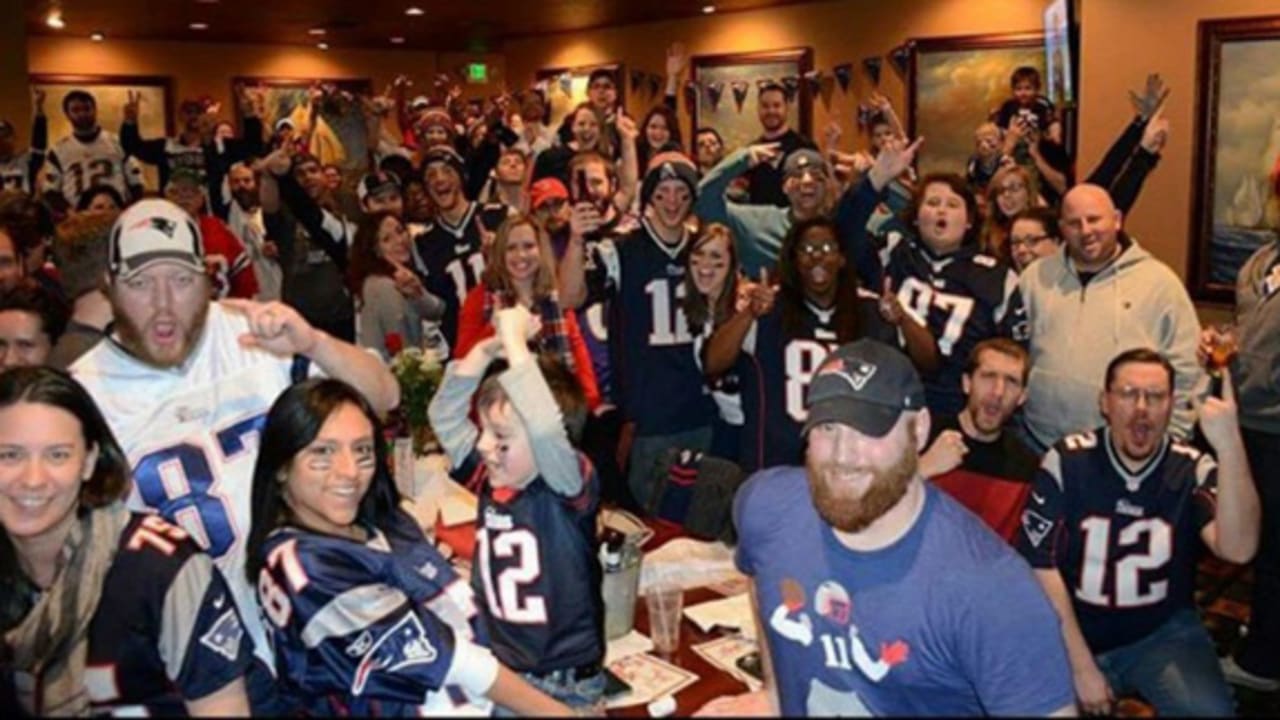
(415,11)
(97,37)
(708,9)
(199,26)
(323,45)
(55,20)
(397,40)
(317,31)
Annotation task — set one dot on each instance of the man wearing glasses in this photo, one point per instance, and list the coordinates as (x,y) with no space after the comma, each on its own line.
(1113,528)
(1104,295)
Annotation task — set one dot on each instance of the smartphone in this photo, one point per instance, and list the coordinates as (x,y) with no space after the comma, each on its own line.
(614,686)
(1215,384)
(580,179)
(750,664)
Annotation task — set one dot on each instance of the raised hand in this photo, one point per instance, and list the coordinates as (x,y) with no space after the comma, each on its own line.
(280,161)
(584,219)
(1219,416)
(894,158)
(878,101)
(890,306)
(1156,133)
(627,128)
(37,100)
(677,59)
(274,327)
(763,153)
(831,136)
(132,100)
(944,455)
(1152,98)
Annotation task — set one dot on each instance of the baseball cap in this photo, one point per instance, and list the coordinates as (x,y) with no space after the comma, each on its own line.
(376,183)
(805,159)
(185,176)
(283,123)
(546,189)
(866,385)
(419,102)
(150,231)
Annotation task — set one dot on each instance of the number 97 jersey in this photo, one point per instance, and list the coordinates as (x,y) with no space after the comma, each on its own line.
(191,435)
(1125,542)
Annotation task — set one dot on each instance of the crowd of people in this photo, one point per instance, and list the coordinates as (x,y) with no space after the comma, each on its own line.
(975,435)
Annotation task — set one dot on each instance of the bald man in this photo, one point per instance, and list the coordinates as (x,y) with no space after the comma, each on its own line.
(1100,295)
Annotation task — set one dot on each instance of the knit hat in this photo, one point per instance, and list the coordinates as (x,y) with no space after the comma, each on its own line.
(669,166)
(447,155)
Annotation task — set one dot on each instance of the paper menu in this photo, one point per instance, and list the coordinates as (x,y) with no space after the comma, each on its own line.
(733,612)
(650,678)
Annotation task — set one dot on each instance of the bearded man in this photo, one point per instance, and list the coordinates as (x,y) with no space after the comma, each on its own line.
(875,592)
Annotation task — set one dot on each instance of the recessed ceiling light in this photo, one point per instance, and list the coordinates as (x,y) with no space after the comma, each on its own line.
(97,37)
(323,46)
(708,9)
(55,20)
(199,26)
(317,31)
(415,11)
(397,40)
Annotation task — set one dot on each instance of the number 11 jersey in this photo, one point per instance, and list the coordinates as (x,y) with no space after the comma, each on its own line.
(191,436)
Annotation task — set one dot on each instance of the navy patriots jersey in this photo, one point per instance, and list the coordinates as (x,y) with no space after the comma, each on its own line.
(451,258)
(375,628)
(167,628)
(1125,542)
(537,571)
(657,382)
(775,372)
(964,298)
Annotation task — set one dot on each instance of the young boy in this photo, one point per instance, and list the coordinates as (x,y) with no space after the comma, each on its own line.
(987,157)
(1028,106)
(535,563)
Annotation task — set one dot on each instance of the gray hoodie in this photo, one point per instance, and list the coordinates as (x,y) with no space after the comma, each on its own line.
(1136,301)
(1256,370)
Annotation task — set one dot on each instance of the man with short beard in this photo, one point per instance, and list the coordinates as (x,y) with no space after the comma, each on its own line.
(89,155)
(245,220)
(765,180)
(1114,528)
(185,384)
(973,455)
(876,593)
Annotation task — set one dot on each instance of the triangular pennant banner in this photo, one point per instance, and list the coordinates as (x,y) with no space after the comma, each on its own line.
(790,85)
(901,58)
(813,79)
(871,66)
(740,89)
(691,93)
(637,80)
(844,74)
(714,91)
(566,83)
(826,89)
(655,85)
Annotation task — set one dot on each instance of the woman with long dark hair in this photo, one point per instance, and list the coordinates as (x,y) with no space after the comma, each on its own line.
(365,615)
(103,610)
(659,131)
(818,307)
(391,296)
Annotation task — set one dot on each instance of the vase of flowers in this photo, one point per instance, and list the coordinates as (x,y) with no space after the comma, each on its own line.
(419,373)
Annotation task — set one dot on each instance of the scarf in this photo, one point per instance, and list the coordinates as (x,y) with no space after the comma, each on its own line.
(553,339)
(51,645)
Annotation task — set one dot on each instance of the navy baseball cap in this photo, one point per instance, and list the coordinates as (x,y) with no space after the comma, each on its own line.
(866,385)
(805,159)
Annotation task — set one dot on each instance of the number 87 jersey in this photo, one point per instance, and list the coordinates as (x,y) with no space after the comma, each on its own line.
(1125,542)
(191,436)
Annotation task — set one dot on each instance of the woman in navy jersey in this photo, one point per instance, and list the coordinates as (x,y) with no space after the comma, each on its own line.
(103,610)
(365,616)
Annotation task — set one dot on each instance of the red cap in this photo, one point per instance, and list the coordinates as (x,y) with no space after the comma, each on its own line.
(546,189)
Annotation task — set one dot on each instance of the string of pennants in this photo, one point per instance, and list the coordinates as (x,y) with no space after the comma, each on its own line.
(819,83)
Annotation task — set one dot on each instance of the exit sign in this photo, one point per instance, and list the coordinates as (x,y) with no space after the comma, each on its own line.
(477,73)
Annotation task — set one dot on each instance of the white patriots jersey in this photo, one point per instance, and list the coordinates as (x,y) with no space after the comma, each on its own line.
(191,435)
(15,173)
(73,166)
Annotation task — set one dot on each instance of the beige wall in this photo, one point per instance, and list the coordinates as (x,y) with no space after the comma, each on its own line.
(207,68)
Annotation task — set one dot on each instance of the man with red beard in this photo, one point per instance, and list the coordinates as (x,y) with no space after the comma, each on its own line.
(971,455)
(185,384)
(876,593)
(1114,527)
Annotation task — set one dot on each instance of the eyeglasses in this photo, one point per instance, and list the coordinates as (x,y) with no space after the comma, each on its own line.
(1028,241)
(826,247)
(1130,395)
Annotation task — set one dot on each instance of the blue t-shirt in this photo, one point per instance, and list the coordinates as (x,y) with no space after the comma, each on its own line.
(948,620)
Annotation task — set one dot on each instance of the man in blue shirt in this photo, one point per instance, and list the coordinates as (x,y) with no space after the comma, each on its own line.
(876,593)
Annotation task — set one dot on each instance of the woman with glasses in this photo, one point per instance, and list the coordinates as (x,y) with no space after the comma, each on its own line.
(1034,234)
(818,307)
(1012,189)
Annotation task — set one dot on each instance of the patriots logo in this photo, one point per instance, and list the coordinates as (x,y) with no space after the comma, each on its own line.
(1036,526)
(667,172)
(856,377)
(224,637)
(159,224)
(404,645)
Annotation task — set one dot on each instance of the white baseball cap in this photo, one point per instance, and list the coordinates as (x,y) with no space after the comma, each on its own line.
(154,230)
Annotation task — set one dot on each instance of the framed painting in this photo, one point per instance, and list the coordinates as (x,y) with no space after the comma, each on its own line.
(340,135)
(1234,206)
(564,96)
(155,111)
(737,122)
(955,83)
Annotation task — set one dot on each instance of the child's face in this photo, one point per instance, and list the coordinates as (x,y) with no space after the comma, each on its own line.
(986,143)
(1025,92)
(504,447)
